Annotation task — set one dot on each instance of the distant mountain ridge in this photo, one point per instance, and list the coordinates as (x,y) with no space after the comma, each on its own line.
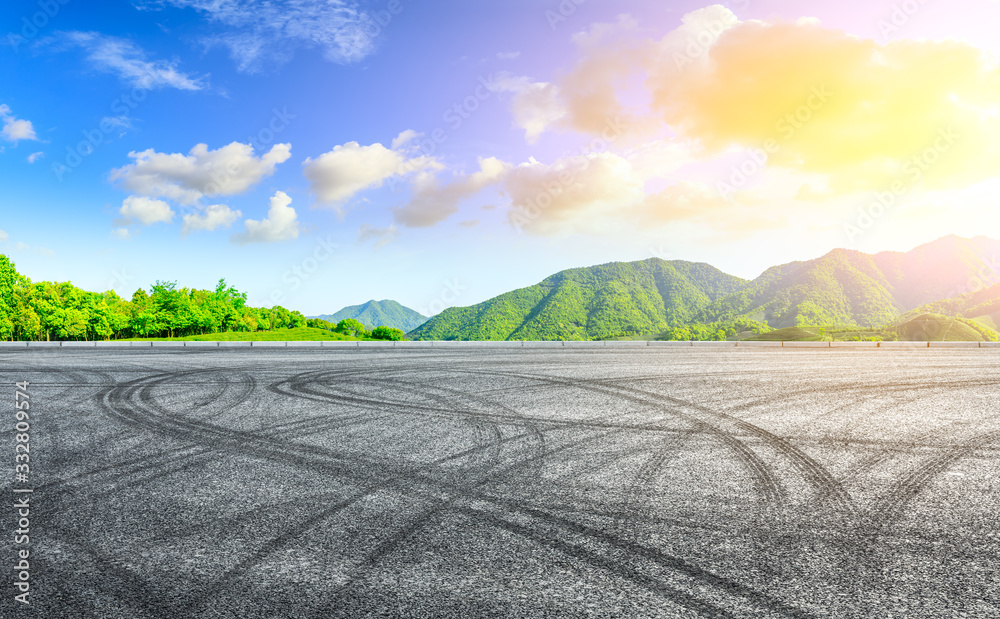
(594,302)
(844,287)
(853,288)
(385,313)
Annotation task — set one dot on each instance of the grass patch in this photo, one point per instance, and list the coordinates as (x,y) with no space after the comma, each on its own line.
(826,334)
(938,328)
(300,334)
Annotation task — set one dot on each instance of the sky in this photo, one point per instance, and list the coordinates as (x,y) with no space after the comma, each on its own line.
(318,154)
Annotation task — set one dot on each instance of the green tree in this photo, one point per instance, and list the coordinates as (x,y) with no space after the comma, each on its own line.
(388,333)
(352,328)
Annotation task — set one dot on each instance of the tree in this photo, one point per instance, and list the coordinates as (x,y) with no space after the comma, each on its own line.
(352,327)
(388,333)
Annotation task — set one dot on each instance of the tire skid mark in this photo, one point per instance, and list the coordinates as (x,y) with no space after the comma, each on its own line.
(829,488)
(764,478)
(536,435)
(387,547)
(125,580)
(891,506)
(676,565)
(165,422)
(410,408)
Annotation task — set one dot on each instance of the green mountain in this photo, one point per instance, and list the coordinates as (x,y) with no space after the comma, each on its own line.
(844,288)
(979,304)
(848,287)
(590,303)
(980,310)
(379,314)
(930,327)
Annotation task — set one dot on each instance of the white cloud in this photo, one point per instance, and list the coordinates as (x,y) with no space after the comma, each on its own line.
(121,233)
(582,192)
(432,202)
(210,218)
(121,123)
(226,171)
(281,223)
(146,211)
(33,157)
(259,33)
(15,129)
(3,236)
(381,236)
(338,175)
(404,138)
(128,61)
(536,105)
(508,55)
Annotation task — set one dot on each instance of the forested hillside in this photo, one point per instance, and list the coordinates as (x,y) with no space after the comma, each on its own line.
(374,314)
(680,300)
(596,302)
(61,311)
(842,288)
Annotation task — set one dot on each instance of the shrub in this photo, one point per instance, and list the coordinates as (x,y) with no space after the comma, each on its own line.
(387,333)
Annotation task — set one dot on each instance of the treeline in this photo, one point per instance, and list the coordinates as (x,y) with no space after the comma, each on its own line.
(739,328)
(355,328)
(61,311)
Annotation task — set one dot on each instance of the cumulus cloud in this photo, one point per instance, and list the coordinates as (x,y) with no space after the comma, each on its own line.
(121,233)
(404,138)
(697,207)
(350,168)
(536,106)
(585,99)
(861,112)
(281,223)
(432,202)
(263,33)
(210,218)
(145,211)
(33,157)
(128,61)
(573,193)
(226,171)
(838,104)
(15,129)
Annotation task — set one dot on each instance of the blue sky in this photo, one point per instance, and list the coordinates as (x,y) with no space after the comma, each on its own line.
(336,167)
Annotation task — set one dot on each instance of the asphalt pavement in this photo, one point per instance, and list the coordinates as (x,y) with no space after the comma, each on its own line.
(483,482)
